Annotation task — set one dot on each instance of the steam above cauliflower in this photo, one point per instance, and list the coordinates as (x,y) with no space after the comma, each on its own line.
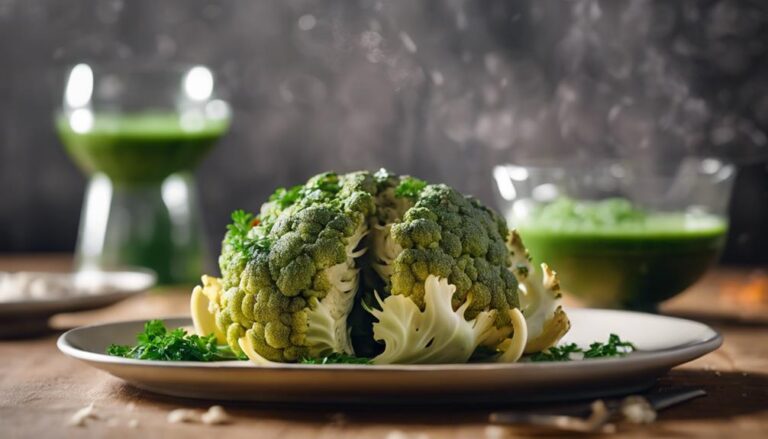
(378,265)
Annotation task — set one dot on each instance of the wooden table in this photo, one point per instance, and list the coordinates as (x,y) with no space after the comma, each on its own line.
(40,389)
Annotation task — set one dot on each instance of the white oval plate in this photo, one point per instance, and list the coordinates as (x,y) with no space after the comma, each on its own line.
(662,342)
(70,292)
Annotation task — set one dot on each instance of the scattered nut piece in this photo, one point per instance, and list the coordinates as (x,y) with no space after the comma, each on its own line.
(718,373)
(494,432)
(80,416)
(133,423)
(215,416)
(597,420)
(637,410)
(130,407)
(600,413)
(183,415)
(396,434)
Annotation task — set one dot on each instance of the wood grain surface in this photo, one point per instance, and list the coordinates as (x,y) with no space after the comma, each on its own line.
(40,388)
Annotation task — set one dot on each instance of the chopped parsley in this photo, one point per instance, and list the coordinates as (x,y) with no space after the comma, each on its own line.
(615,347)
(156,342)
(410,187)
(286,197)
(336,358)
(238,235)
(557,353)
(320,187)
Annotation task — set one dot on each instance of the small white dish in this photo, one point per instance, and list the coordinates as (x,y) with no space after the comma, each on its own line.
(662,342)
(29,299)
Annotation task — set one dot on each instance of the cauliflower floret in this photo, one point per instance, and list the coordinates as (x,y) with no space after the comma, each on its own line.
(448,235)
(290,275)
(442,241)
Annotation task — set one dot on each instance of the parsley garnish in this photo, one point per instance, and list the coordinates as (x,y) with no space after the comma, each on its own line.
(238,234)
(328,186)
(557,353)
(286,197)
(320,187)
(410,187)
(157,343)
(615,347)
(336,358)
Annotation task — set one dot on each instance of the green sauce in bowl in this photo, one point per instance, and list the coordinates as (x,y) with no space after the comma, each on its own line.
(611,254)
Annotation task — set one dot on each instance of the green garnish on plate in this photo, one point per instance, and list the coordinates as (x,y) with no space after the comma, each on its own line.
(337,358)
(614,347)
(156,342)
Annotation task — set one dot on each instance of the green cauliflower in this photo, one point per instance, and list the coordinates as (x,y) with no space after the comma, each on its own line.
(379,265)
(446,270)
(289,276)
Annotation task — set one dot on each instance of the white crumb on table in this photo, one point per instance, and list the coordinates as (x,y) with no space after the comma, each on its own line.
(494,432)
(397,434)
(178,416)
(81,416)
(638,410)
(215,416)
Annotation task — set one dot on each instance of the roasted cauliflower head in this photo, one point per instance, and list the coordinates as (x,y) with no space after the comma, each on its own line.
(411,272)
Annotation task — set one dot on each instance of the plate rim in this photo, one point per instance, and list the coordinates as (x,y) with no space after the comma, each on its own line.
(665,357)
(56,305)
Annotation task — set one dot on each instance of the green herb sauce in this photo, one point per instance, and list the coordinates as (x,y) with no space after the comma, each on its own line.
(615,255)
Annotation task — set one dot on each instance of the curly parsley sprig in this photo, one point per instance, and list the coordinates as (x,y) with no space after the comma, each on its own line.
(238,235)
(614,347)
(410,187)
(156,342)
(336,358)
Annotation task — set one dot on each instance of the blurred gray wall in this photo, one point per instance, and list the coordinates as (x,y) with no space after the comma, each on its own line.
(439,89)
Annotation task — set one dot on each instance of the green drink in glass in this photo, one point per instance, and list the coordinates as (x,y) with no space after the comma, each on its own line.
(139,132)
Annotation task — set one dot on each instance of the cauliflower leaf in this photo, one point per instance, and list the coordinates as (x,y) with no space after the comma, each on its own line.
(539,300)
(438,334)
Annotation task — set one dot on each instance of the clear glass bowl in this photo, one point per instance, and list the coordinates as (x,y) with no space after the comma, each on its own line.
(139,131)
(621,234)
